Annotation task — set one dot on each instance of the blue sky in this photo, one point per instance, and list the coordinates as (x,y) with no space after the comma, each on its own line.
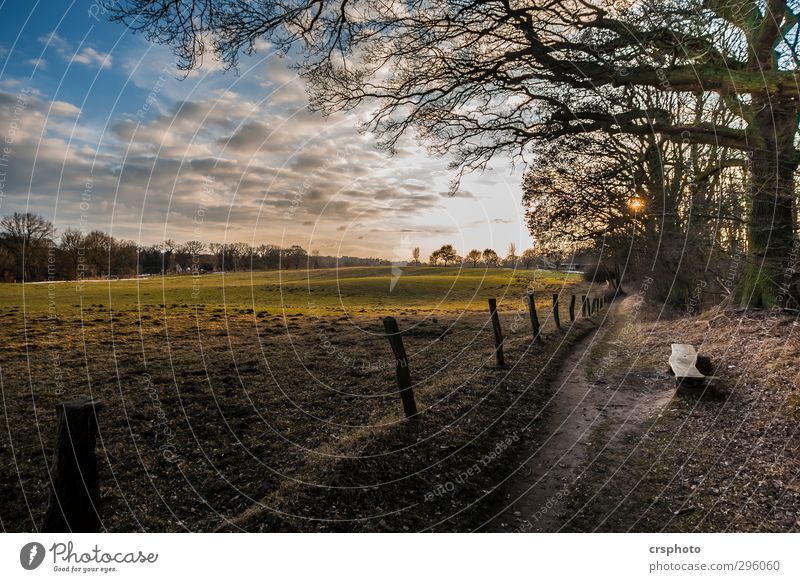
(105,134)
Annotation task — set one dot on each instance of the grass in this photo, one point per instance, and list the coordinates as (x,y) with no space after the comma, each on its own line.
(346,290)
(223,391)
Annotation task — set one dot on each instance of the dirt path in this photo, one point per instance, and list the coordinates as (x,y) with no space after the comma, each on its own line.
(536,495)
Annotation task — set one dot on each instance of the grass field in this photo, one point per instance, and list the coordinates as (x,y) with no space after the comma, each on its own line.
(223,391)
(346,290)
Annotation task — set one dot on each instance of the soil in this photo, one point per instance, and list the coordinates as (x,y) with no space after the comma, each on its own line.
(720,457)
(212,416)
(271,422)
(583,405)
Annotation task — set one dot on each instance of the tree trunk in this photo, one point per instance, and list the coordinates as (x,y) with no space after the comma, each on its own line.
(771,224)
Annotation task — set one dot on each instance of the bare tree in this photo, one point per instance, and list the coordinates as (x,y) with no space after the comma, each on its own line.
(511,257)
(188,254)
(73,246)
(218,250)
(26,236)
(415,255)
(98,253)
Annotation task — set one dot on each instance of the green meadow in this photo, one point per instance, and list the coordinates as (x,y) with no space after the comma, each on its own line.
(323,291)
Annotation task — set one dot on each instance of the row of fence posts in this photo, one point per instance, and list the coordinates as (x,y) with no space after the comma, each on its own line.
(74,495)
(589,306)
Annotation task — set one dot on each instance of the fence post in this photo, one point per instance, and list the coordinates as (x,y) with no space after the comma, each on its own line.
(555,311)
(584,306)
(572,308)
(73,504)
(400,366)
(498,334)
(537,338)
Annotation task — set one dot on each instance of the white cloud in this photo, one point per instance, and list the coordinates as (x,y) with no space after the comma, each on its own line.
(274,167)
(85,55)
(37,63)
(89,57)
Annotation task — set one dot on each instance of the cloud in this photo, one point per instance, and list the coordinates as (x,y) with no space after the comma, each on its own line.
(89,57)
(260,167)
(39,64)
(247,138)
(86,55)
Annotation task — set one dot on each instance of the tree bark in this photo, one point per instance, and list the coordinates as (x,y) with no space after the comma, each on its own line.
(771,224)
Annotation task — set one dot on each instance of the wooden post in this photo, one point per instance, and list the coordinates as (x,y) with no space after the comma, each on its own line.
(555,311)
(537,338)
(401,366)
(572,308)
(498,334)
(584,306)
(74,501)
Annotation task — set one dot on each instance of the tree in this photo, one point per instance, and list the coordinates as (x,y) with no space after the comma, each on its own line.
(218,251)
(434,258)
(98,246)
(73,247)
(26,237)
(295,256)
(123,258)
(150,260)
(447,254)
(7,265)
(511,257)
(415,255)
(474,256)
(642,203)
(491,258)
(188,254)
(528,258)
(479,78)
(168,256)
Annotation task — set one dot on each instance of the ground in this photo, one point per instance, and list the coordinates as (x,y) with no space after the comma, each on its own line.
(726,458)
(223,390)
(267,402)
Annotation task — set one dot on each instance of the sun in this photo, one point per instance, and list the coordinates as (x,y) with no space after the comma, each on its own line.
(636,204)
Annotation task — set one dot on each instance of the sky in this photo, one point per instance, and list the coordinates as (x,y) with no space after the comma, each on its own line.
(99,130)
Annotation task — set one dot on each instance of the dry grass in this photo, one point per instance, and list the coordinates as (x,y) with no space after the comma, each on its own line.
(725,460)
(212,408)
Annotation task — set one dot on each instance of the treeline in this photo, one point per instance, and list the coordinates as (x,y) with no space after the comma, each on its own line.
(447,255)
(30,250)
